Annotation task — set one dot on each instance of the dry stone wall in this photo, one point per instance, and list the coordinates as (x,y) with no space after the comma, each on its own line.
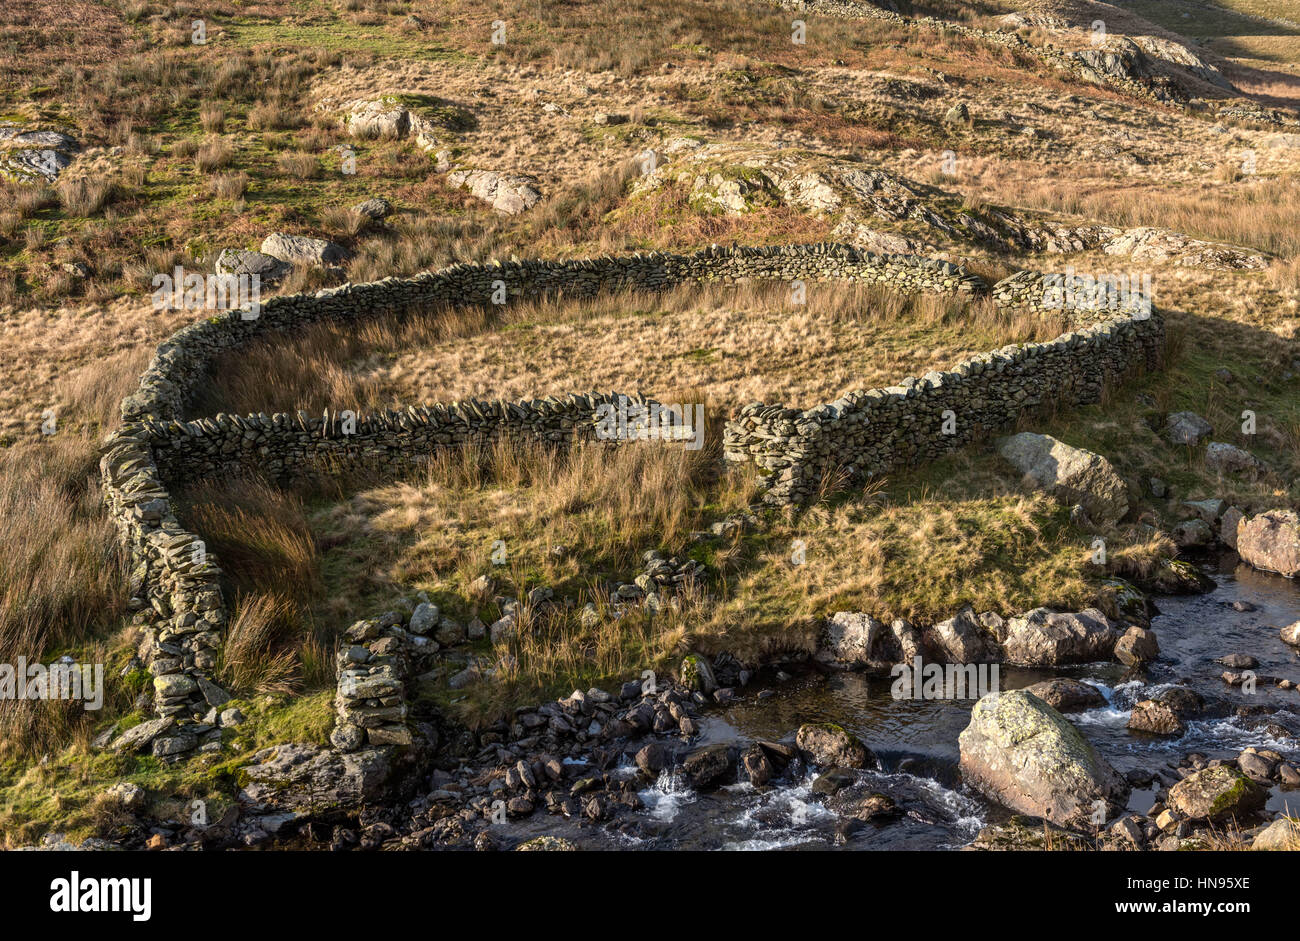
(866,433)
(157,448)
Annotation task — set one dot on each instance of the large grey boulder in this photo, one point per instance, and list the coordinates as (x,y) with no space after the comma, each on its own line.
(1071,474)
(1187,428)
(1067,695)
(1282,834)
(301,250)
(307,776)
(1224,458)
(963,639)
(849,637)
(1025,755)
(1138,645)
(832,746)
(268,269)
(507,193)
(1049,638)
(382,118)
(1270,542)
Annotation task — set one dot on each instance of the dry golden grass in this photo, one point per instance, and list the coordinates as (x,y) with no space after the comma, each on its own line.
(737,344)
(298,164)
(62,577)
(1255,212)
(216,153)
(228,185)
(257,532)
(258,655)
(605,504)
(272,116)
(212,117)
(84,197)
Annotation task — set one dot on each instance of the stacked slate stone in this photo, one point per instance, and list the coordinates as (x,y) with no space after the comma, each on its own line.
(1047,294)
(171,575)
(284,446)
(370,702)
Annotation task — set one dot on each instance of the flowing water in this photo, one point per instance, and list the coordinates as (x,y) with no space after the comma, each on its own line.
(916,740)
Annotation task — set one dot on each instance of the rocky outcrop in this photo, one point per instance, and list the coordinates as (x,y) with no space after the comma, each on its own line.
(33,155)
(1022,753)
(1071,474)
(1147,244)
(1270,541)
(427,121)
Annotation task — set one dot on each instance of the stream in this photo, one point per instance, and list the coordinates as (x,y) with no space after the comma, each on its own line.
(916,740)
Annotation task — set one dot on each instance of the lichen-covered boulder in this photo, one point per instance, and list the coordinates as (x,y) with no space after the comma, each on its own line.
(833,746)
(1271,542)
(1022,753)
(1071,474)
(1282,834)
(1216,794)
(268,269)
(507,193)
(546,844)
(298,776)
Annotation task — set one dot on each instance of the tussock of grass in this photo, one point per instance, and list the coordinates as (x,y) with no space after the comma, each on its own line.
(258,654)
